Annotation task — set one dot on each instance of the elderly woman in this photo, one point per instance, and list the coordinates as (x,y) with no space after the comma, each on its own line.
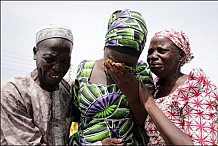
(183,109)
(104,110)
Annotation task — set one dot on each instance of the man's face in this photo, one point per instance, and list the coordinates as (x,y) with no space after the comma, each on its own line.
(53,58)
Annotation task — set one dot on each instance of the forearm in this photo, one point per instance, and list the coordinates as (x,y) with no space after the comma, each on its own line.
(16,124)
(15,133)
(139,113)
(168,130)
(137,109)
(128,84)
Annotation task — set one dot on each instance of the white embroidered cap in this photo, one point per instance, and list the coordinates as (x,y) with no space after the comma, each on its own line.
(54,31)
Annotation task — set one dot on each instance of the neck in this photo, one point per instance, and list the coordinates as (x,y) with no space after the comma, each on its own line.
(170,80)
(98,74)
(108,78)
(41,83)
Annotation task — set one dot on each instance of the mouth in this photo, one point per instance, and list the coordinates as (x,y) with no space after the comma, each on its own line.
(55,76)
(155,65)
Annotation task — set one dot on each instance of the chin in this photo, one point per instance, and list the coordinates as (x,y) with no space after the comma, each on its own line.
(157,72)
(53,83)
(56,82)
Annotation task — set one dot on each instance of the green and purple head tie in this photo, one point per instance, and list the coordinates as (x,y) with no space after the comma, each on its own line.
(126,28)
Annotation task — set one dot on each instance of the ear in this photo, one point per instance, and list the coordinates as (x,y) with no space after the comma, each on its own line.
(182,61)
(181,53)
(35,49)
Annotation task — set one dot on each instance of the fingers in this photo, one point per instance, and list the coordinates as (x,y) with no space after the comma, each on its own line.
(116,69)
(113,69)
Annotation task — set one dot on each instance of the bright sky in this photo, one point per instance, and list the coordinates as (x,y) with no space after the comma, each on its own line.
(88,21)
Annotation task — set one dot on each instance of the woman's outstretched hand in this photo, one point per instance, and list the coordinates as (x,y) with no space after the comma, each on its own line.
(118,72)
(129,85)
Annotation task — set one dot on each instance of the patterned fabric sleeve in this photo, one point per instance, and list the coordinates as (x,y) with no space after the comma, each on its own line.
(200,113)
(75,91)
(76,120)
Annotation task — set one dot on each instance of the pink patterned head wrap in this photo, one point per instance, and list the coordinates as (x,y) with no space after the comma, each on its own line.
(181,40)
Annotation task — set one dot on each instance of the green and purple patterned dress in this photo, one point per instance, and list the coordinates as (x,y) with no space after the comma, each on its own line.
(104,108)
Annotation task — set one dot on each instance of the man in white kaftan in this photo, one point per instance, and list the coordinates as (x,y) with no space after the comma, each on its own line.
(36,108)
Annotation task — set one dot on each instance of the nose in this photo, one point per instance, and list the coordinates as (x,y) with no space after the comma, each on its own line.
(59,67)
(153,56)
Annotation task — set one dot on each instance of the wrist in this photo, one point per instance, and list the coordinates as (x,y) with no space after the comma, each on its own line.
(150,104)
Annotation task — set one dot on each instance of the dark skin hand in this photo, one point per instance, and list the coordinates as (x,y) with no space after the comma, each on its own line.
(113,141)
(125,81)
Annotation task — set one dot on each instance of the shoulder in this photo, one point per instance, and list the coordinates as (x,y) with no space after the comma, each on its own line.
(15,88)
(198,75)
(199,78)
(142,63)
(64,84)
(84,68)
(85,64)
(144,74)
(16,82)
(143,69)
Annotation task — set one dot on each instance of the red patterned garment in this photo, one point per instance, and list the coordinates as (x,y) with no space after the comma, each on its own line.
(192,107)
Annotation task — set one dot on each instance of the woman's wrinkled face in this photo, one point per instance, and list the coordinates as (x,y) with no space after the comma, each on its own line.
(52,60)
(128,60)
(163,56)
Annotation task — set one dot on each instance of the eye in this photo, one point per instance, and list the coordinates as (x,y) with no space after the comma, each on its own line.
(162,51)
(67,61)
(49,59)
(150,51)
